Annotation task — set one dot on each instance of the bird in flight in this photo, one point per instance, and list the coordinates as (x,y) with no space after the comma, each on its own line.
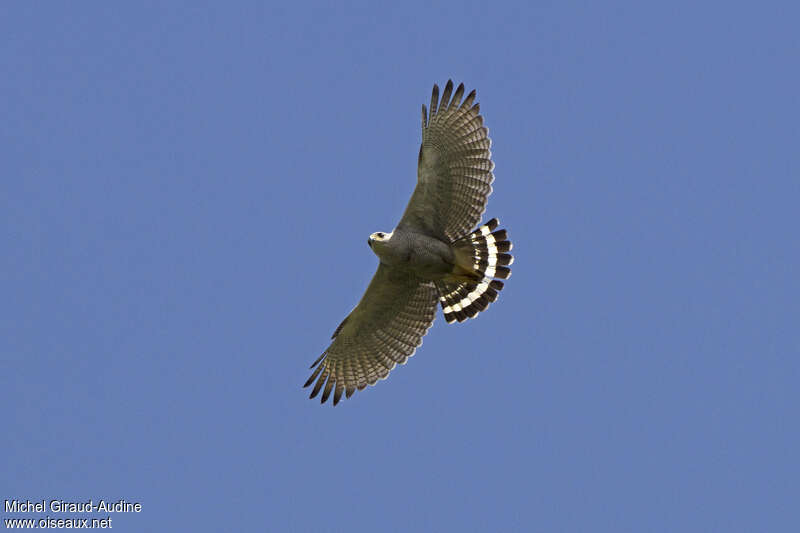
(432,256)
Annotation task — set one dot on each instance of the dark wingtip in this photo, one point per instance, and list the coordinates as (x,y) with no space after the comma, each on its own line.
(468,100)
(337,394)
(448,90)
(434,99)
(315,363)
(321,381)
(328,388)
(314,375)
(457,97)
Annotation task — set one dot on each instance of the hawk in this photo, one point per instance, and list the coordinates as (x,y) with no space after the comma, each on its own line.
(431,257)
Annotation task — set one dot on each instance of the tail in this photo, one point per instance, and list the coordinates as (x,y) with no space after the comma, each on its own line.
(480,256)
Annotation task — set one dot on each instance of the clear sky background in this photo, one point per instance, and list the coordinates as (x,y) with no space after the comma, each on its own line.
(186,191)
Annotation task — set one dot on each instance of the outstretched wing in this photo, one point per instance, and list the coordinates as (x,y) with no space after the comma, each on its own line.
(384,329)
(454,173)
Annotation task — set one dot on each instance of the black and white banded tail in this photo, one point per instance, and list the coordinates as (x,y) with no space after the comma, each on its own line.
(485,251)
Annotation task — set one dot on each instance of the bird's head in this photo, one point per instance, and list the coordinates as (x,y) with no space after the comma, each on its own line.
(377,239)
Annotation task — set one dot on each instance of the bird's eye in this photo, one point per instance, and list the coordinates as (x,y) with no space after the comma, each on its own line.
(380,235)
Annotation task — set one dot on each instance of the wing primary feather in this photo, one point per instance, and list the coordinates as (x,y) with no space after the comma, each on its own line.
(434,99)
(320,382)
(337,395)
(328,387)
(457,97)
(313,376)
(467,103)
(339,327)
(424,117)
(448,90)
(315,363)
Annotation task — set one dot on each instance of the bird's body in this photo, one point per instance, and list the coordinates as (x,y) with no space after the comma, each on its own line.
(427,257)
(432,257)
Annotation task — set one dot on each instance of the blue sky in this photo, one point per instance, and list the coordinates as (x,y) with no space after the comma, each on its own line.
(186,192)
